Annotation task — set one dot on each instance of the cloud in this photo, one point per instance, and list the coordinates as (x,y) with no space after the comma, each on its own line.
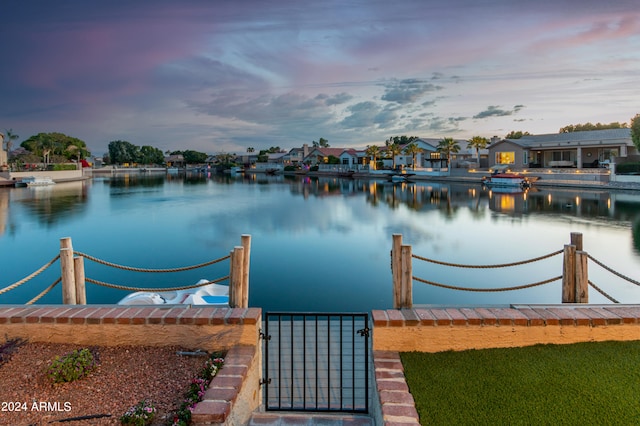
(495,111)
(407,91)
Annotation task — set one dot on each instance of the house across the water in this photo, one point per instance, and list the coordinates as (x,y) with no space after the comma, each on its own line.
(591,149)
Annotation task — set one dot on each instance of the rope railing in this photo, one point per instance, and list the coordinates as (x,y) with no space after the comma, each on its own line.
(135,269)
(602,292)
(73,275)
(575,274)
(131,288)
(501,265)
(45,291)
(495,289)
(616,273)
(29,277)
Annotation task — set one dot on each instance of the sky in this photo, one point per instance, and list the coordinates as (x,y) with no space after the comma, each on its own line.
(222,76)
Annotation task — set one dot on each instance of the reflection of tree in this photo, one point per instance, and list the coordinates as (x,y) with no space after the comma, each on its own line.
(134,180)
(635,233)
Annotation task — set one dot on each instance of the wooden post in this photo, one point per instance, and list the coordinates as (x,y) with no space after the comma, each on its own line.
(246,244)
(569,274)
(582,277)
(81,293)
(232,295)
(576,240)
(67,272)
(396,268)
(235,289)
(406,301)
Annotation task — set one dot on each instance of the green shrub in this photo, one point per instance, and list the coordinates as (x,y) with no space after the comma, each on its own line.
(314,168)
(628,168)
(289,168)
(60,167)
(72,366)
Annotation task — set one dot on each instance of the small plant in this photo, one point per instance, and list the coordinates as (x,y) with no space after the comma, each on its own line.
(8,347)
(139,415)
(196,390)
(72,366)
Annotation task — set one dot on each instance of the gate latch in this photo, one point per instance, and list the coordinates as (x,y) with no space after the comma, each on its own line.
(364,332)
(264,336)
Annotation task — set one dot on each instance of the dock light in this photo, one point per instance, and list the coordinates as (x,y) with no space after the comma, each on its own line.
(608,203)
(577,201)
(549,199)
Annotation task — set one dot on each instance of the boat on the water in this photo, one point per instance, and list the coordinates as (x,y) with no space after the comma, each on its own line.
(400,177)
(36,181)
(235,170)
(507,180)
(210,294)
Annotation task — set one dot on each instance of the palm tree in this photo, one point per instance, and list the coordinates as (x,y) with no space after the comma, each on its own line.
(251,149)
(478,143)
(393,150)
(447,146)
(413,150)
(373,152)
(9,138)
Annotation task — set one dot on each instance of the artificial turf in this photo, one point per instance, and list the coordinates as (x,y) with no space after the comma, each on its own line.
(576,384)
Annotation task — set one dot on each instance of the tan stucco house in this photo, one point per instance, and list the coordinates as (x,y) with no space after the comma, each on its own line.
(590,149)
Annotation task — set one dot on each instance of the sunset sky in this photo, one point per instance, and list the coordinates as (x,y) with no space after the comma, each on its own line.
(221,76)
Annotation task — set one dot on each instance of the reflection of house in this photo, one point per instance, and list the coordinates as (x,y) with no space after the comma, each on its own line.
(575,149)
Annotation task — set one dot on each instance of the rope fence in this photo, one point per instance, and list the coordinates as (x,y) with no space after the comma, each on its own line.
(134,269)
(29,277)
(131,288)
(575,278)
(501,265)
(73,277)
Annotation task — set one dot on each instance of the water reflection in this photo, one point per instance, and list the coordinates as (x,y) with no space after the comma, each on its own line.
(451,198)
(4,209)
(320,243)
(50,204)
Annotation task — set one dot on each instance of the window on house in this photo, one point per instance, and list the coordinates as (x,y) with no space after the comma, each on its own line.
(435,155)
(505,157)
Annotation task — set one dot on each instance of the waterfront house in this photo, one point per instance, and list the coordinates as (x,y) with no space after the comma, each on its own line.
(296,156)
(175,160)
(429,158)
(596,148)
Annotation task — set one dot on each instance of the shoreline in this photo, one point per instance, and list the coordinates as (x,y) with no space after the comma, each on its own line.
(560,180)
(549,178)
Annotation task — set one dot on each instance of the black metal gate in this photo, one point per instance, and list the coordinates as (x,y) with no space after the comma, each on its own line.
(316,362)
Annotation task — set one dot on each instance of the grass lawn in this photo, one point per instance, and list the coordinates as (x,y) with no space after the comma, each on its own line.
(577,384)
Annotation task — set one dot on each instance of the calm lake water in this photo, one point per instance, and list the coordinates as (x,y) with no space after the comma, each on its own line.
(318,244)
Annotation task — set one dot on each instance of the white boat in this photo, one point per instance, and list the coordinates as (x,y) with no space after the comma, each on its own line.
(401,177)
(37,181)
(507,180)
(210,294)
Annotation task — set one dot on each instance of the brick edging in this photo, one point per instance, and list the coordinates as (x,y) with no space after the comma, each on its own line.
(128,315)
(396,402)
(217,403)
(522,315)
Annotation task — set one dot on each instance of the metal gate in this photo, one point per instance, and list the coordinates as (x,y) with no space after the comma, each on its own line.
(316,362)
